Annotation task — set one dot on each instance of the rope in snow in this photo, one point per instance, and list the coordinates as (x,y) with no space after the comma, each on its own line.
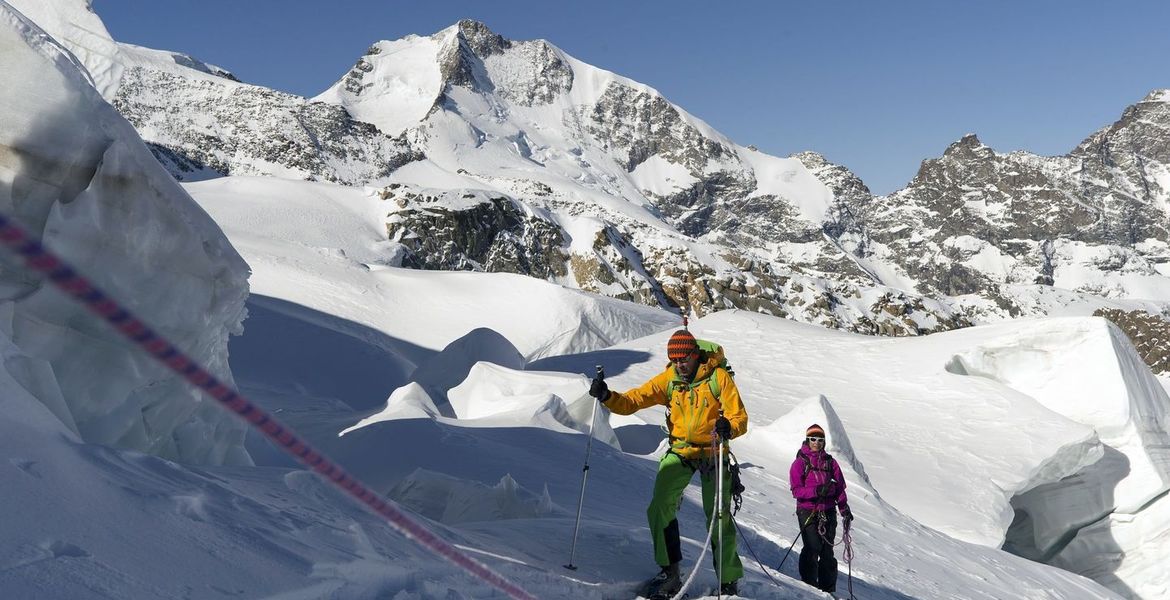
(743,538)
(37,258)
(682,592)
(847,539)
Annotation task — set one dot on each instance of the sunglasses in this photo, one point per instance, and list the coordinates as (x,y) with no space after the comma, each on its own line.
(684,359)
(819,440)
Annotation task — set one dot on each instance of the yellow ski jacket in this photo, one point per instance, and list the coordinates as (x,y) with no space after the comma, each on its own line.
(693,406)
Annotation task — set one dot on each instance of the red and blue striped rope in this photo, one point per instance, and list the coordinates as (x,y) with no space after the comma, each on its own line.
(37,258)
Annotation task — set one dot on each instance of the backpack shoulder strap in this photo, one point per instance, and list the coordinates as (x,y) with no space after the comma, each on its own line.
(807,466)
(713,382)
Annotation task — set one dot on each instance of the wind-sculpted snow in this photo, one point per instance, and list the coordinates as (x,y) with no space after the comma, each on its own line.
(1088,371)
(74,173)
(450,367)
(901,433)
(501,397)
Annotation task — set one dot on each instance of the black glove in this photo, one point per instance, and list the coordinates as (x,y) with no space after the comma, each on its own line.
(847,515)
(825,490)
(599,390)
(723,428)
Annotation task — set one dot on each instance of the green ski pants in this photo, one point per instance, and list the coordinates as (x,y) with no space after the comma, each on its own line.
(674,475)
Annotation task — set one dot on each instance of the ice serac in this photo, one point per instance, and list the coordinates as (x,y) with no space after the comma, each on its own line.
(75,174)
(1099,521)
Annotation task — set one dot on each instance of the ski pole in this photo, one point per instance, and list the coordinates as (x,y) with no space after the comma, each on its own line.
(720,447)
(719,514)
(793,544)
(584,476)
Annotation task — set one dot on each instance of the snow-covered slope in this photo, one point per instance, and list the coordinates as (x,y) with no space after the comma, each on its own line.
(75,173)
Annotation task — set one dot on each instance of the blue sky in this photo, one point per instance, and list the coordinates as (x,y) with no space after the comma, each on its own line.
(874,86)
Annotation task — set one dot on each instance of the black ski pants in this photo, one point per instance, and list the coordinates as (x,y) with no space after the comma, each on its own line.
(818,529)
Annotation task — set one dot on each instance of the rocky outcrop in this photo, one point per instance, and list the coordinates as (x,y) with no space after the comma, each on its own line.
(1125,170)
(549,78)
(491,234)
(1150,335)
(640,125)
(467,56)
(197,125)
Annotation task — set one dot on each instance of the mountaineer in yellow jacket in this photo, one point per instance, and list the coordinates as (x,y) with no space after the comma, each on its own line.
(695,387)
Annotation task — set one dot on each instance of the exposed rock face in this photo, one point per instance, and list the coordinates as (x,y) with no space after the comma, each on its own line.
(463,61)
(1150,334)
(616,268)
(200,124)
(460,61)
(354,83)
(488,234)
(972,190)
(549,77)
(1126,168)
(641,125)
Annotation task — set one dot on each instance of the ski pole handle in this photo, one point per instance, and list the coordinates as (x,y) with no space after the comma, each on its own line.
(600,372)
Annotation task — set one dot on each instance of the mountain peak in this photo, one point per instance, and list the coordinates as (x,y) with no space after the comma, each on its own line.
(536,71)
(968,146)
(1158,96)
(479,38)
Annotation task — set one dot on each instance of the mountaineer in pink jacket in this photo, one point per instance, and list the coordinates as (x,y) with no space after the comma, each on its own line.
(818,486)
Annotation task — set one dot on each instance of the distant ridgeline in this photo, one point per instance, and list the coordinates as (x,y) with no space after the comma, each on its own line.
(511,156)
